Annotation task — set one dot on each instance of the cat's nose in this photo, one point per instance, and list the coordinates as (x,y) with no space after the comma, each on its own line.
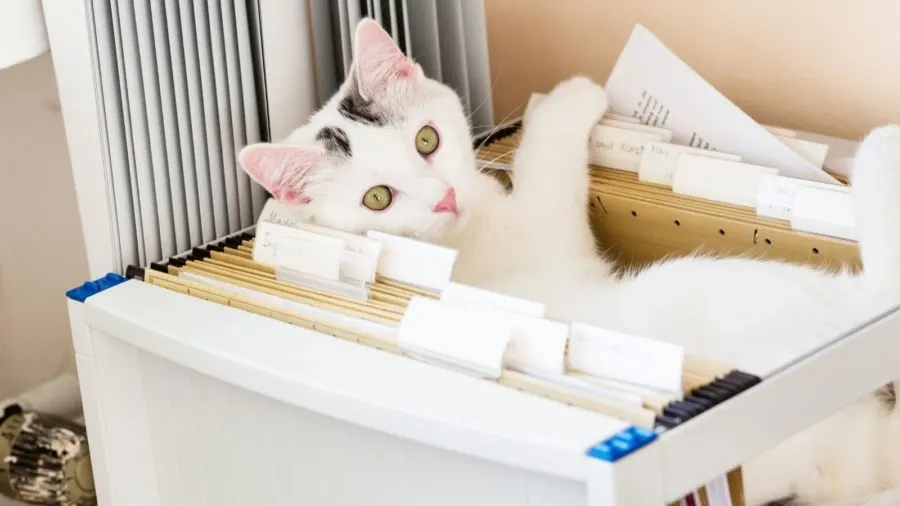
(447,204)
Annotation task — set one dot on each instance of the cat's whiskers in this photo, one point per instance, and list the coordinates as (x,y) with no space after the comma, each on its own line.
(496,128)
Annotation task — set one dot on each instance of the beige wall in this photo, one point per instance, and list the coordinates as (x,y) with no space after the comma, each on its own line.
(831,67)
(41,246)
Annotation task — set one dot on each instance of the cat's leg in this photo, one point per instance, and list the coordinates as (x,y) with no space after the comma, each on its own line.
(875,183)
(550,175)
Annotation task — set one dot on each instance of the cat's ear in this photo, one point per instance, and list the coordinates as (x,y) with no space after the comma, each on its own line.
(379,61)
(284,170)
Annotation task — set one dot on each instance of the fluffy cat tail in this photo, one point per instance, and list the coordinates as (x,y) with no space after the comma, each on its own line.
(875,181)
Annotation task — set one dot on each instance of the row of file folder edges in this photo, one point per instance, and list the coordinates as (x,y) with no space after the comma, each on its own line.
(627,441)
(610,450)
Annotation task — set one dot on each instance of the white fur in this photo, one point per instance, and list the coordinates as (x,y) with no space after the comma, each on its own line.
(536,243)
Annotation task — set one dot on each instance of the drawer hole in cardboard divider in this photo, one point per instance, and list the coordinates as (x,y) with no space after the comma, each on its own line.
(721,231)
(677,223)
(815,251)
(768,241)
(634,213)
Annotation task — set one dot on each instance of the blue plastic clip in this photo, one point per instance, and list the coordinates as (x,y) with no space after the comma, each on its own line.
(622,444)
(84,291)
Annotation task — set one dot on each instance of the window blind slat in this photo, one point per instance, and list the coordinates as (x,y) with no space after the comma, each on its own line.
(236,110)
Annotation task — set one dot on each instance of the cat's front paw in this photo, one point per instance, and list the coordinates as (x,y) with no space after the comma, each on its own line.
(577,101)
(882,143)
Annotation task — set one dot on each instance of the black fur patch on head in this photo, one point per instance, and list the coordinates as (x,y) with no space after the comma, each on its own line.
(784,501)
(355,108)
(335,140)
(887,395)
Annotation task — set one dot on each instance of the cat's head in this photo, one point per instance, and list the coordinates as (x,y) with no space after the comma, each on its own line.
(390,151)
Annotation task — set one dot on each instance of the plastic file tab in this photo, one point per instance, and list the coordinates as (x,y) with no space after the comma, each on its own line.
(279,213)
(468,339)
(465,296)
(623,357)
(415,262)
(538,346)
(660,160)
(319,261)
(824,211)
(637,126)
(776,194)
(618,148)
(720,180)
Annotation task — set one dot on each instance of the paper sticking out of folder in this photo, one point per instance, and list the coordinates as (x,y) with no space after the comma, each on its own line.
(651,83)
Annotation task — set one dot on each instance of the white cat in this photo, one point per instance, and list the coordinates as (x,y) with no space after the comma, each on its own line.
(392,151)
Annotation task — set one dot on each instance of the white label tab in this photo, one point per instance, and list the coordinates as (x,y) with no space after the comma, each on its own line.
(298,250)
(720,180)
(470,339)
(358,267)
(777,194)
(618,148)
(625,357)
(414,262)
(465,296)
(660,159)
(665,134)
(825,212)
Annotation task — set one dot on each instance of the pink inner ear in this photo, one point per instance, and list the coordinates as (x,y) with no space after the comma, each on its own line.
(283,170)
(378,59)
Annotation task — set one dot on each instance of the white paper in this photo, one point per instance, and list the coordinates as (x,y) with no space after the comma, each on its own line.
(660,159)
(22,32)
(470,339)
(720,180)
(626,357)
(717,491)
(415,262)
(653,84)
(815,152)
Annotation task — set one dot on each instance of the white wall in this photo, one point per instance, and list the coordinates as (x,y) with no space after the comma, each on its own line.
(41,245)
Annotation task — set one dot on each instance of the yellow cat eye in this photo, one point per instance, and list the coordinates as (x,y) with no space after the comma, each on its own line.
(378,198)
(427,140)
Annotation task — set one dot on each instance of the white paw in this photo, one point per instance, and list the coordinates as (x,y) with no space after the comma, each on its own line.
(583,95)
(578,102)
(882,144)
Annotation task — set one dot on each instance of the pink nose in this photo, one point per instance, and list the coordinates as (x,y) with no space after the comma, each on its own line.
(447,204)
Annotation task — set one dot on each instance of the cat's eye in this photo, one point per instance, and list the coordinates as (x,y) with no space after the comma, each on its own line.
(378,198)
(427,140)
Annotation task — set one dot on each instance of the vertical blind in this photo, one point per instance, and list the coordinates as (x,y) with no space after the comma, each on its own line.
(182,88)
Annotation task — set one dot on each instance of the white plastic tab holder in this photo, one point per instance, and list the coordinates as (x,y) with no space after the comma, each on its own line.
(618,148)
(538,346)
(466,339)
(279,213)
(660,159)
(824,211)
(465,296)
(719,180)
(415,262)
(776,195)
(313,260)
(624,357)
(637,126)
